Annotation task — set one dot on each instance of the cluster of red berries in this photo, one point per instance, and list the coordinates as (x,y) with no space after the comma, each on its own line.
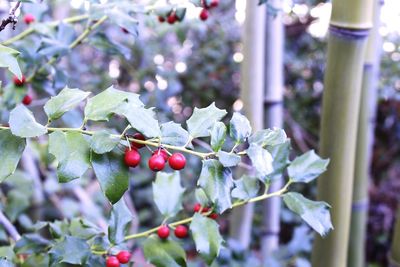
(115,261)
(197,208)
(29,18)
(171,18)
(180,231)
(158,159)
(27,100)
(204,14)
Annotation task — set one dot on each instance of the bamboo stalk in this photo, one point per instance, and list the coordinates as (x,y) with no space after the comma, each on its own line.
(252,86)
(365,138)
(273,116)
(341,101)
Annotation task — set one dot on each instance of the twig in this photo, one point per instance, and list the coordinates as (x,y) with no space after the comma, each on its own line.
(9,227)
(11,17)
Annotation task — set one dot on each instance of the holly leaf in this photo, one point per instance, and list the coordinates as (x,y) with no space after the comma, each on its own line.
(72,153)
(123,20)
(23,124)
(119,222)
(173,134)
(246,187)
(280,155)
(201,197)
(268,137)
(218,135)
(103,142)
(143,120)
(171,203)
(314,213)
(228,159)
(239,127)
(66,100)
(164,253)
(206,236)
(307,167)
(11,148)
(202,120)
(112,173)
(261,160)
(217,182)
(70,250)
(8,60)
(31,243)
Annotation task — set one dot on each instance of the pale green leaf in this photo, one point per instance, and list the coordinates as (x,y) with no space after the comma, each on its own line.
(228,159)
(11,148)
(268,137)
(103,142)
(173,134)
(169,203)
(261,160)
(202,120)
(246,187)
(307,167)
(164,253)
(239,127)
(119,222)
(23,124)
(218,135)
(8,60)
(143,120)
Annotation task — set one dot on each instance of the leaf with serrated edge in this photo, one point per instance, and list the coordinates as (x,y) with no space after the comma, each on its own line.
(169,203)
(246,187)
(268,137)
(217,182)
(228,159)
(65,101)
(11,148)
(70,250)
(119,222)
(239,127)
(202,120)
(173,134)
(143,120)
(261,160)
(218,135)
(23,124)
(206,236)
(307,167)
(164,253)
(314,213)
(8,60)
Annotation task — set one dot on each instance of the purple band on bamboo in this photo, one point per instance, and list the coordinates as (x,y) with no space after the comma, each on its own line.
(348,33)
(361,205)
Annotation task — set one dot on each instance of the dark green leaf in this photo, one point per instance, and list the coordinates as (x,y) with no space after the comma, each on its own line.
(8,60)
(82,228)
(103,142)
(164,253)
(307,167)
(66,100)
(23,124)
(239,127)
(119,222)
(246,187)
(261,160)
(314,213)
(202,120)
(11,148)
(228,159)
(218,135)
(31,243)
(206,236)
(173,134)
(72,153)
(70,250)
(217,182)
(37,260)
(169,203)
(112,174)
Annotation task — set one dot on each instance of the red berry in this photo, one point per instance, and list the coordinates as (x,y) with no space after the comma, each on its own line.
(197,208)
(27,100)
(29,18)
(204,14)
(181,231)
(137,136)
(213,216)
(214,3)
(163,232)
(124,30)
(162,152)
(112,261)
(124,256)
(132,158)
(172,18)
(19,82)
(161,19)
(177,161)
(156,163)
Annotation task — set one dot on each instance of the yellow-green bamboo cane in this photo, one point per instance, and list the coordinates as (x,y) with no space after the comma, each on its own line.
(365,137)
(252,91)
(349,27)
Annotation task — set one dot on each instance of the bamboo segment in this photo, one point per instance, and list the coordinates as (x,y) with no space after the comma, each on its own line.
(273,113)
(252,94)
(365,137)
(352,14)
(341,101)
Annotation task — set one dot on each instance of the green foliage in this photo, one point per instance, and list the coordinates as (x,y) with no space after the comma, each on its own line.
(8,60)
(307,167)
(10,153)
(23,124)
(166,253)
(169,203)
(202,120)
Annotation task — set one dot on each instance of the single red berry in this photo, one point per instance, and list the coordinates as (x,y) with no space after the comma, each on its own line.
(163,232)
(27,100)
(204,14)
(19,82)
(172,18)
(132,157)
(161,19)
(29,18)
(214,3)
(162,152)
(124,30)
(213,216)
(124,256)
(156,163)
(177,161)
(181,231)
(112,261)
(138,136)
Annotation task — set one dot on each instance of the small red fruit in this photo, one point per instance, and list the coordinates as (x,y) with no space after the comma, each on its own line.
(172,18)
(29,18)
(161,19)
(112,261)
(132,157)
(156,163)
(177,161)
(197,208)
(213,216)
(138,136)
(27,100)
(214,3)
(19,82)
(163,232)
(162,152)
(204,14)
(124,256)
(181,231)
